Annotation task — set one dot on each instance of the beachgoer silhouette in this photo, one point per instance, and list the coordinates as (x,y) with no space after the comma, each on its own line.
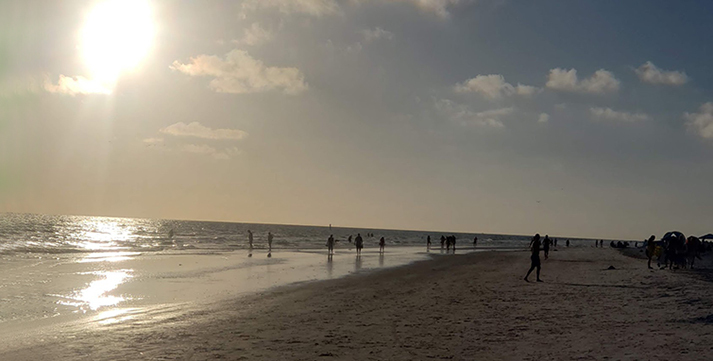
(475,242)
(269,242)
(534,257)
(382,243)
(428,242)
(359,243)
(250,239)
(453,240)
(350,238)
(567,243)
(443,241)
(448,243)
(546,246)
(330,244)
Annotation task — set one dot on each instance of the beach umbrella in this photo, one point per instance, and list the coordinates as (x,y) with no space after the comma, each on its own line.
(707,236)
(673,234)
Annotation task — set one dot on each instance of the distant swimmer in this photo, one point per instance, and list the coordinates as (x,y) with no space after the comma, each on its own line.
(534,257)
(330,244)
(382,243)
(475,242)
(359,243)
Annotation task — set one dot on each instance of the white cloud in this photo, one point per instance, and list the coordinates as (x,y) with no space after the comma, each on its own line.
(543,118)
(610,114)
(203,149)
(239,73)
(376,34)
(701,122)
(197,130)
(493,86)
(153,141)
(649,73)
(462,114)
(76,85)
(438,7)
(308,7)
(254,35)
(602,81)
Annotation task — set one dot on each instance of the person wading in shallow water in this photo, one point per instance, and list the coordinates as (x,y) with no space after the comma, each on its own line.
(535,257)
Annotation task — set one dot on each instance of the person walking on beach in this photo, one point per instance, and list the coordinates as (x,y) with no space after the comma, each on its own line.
(567,243)
(269,242)
(359,243)
(453,240)
(546,246)
(650,249)
(382,243)
(475,242)
(428,242)
(330,244)
(250,239)
(443,242)
(534,257)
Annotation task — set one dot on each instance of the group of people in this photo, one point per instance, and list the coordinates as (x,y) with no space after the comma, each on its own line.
(675,250)
(270,237)
(358,242)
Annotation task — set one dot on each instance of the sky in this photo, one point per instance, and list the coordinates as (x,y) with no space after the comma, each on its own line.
(577,118)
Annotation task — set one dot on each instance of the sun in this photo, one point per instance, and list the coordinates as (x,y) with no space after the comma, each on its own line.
(116,37)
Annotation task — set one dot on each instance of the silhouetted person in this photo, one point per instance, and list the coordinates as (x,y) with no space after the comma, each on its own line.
(535,257)
(443,241)
(546,246)
(250,239)
(269,242)
(350,238)
(567,243)
(555,243)
(428,242)
(359,243)
(330,244)
(453,240)
(475,242)
(382,243)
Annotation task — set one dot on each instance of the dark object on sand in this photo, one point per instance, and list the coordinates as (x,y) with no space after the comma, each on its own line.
(611,267)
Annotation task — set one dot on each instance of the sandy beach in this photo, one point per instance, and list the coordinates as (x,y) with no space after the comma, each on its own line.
(456,307)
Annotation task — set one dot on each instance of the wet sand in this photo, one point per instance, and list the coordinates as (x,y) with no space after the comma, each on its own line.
(461,307)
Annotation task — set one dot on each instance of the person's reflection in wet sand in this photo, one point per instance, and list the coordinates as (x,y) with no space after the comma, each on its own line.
(357,263)
(381,260)
(330,265)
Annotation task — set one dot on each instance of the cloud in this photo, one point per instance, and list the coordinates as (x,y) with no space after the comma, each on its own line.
(543,118)
(610,114)
(153,141)
(493,86)
(239,73)
(462,114)
(649,73)
(197,130)
(602,81)
(76,85)
(438,7)
(701,122)
(203,149)
(254,35)
(376,34)
(307,7)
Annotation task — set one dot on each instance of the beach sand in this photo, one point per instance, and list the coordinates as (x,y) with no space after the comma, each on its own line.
(457,307)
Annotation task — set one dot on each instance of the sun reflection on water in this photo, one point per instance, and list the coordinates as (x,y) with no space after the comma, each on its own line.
(96,294)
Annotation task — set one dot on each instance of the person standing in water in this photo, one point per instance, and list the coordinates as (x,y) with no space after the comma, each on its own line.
(330,244)
(534,257)
(382,243)
(428,242)
(475,242)
(269,242)
(359,243)
(250,239)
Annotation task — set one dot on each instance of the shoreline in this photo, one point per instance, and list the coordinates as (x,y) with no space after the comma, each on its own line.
(472,306)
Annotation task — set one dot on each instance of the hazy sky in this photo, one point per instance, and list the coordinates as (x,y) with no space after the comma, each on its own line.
(581,118)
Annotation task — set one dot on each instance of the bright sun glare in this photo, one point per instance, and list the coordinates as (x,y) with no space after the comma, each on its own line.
(116,37)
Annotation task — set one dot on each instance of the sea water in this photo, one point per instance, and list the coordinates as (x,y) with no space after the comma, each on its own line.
(103,270)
